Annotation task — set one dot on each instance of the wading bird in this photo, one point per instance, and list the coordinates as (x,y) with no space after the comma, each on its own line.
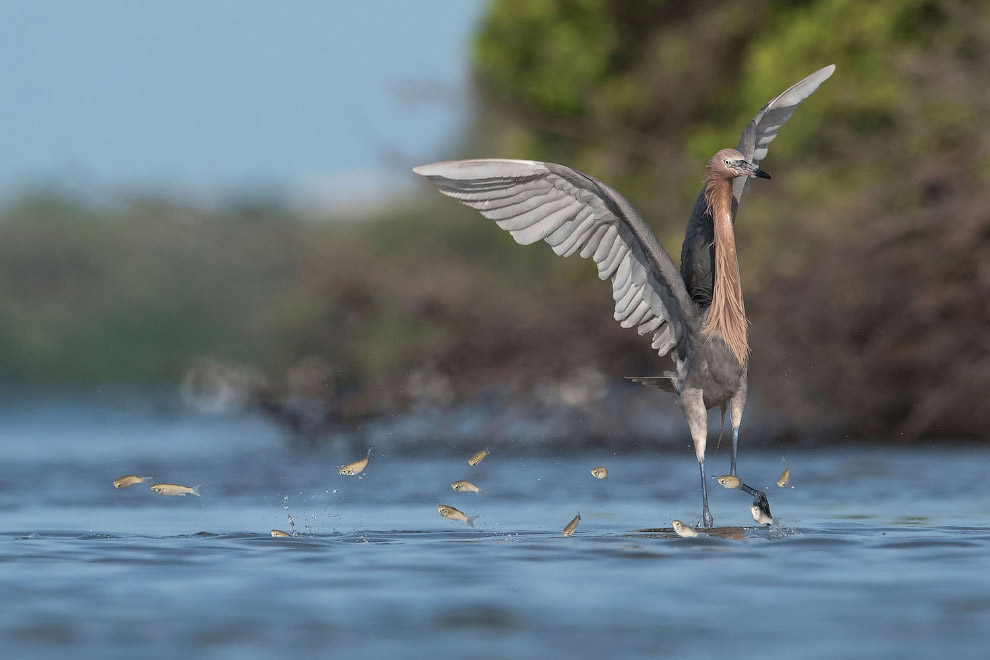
(695,315)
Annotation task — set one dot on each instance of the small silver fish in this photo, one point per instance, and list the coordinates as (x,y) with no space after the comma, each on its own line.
(129,480)
(728,481)
(357,467)
(464,486)
(175,489)
(785,476)
(477,458)
(683,530)
(599,472)
(277,533)
(760,517)
(571,526)
(451,513)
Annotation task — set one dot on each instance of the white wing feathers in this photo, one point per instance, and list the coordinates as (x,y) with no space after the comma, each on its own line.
(576,214)
(763,128)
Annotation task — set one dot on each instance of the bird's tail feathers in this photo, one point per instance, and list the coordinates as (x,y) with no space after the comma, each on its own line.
(664,383)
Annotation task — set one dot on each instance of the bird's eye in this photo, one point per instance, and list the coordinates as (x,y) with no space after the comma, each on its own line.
(726,161)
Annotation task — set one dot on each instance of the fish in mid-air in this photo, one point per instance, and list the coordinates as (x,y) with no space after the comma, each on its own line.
(760,517)
(728,481)
(599,472)
(682,530)
(277,533)
(464,486)
(129,480)
(175,489)
(357,467)
(451,513)
(785,476)
(571,526)
(477,458)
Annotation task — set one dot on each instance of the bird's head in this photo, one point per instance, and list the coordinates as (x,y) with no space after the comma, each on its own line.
(730,163)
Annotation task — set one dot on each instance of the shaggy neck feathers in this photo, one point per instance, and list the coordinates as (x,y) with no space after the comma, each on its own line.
(727,313)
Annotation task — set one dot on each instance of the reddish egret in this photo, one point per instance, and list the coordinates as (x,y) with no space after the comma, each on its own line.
(695,315)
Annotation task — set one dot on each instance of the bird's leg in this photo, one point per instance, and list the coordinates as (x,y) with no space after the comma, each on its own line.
(693,402)
(735,448)
(736,405)
(721,429)
(707,519)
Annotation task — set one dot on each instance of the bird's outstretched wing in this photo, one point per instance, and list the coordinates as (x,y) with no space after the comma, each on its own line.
(762,129)
(577,214)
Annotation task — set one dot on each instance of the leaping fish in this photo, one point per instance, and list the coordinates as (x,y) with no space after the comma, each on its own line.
(571,526)
(477,458)
(357,467)
(175,489)
(728,481)
(785,476)
(683,530)
(759,516)
(464,486)
(451,513)
(129,480)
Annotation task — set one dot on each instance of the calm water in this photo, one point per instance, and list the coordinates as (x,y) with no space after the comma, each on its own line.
(880,552)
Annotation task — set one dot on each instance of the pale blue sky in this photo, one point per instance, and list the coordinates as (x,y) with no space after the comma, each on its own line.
(201,98)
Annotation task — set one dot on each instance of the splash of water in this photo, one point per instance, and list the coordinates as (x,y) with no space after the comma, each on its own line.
(292,523)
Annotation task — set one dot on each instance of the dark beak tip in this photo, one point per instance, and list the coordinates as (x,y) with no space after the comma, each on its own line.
(763,175)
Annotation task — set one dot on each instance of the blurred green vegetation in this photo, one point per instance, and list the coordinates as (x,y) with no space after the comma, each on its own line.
(865,256)
(136,292)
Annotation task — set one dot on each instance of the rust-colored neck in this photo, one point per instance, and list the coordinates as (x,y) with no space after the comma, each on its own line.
(727,313)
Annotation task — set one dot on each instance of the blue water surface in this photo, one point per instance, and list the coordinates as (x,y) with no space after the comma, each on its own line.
(877,552)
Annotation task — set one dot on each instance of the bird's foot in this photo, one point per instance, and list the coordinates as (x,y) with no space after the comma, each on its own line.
(760,500)
(707,520)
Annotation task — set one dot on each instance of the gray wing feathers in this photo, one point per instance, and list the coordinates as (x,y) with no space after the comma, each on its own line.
(763,128)
(577,214)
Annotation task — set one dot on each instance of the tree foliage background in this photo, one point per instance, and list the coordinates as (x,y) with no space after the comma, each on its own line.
(864,260)
(865,257)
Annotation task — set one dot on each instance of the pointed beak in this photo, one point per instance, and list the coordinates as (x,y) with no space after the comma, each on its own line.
(752,170)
